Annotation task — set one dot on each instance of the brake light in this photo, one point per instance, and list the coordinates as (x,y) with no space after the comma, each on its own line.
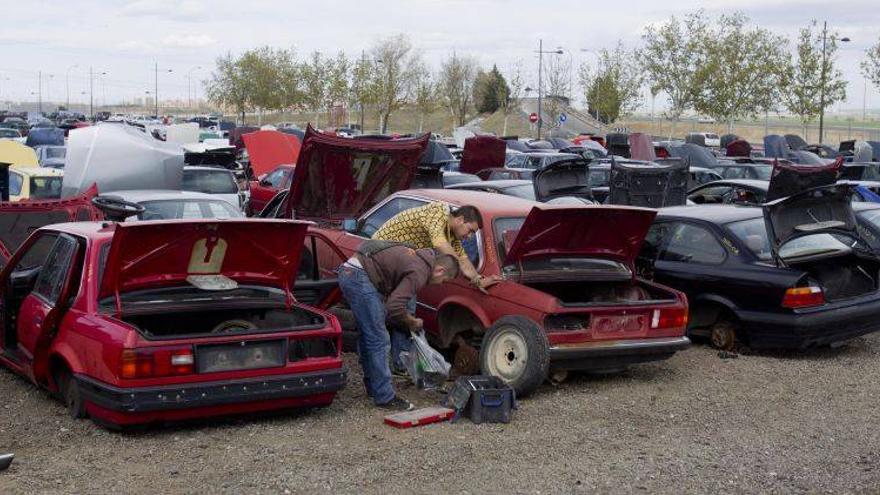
(803,297)
(156,361)
(669,318)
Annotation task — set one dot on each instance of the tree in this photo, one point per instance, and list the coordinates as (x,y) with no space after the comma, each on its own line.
(424,93)
(396,64)
(228,87)
(802,78)
(514,93)
(490,91)
(456,83)
(614,88)
(557,76)
(336,83)
(871,64)
(314,75)
(740,76)
(364,85)
(671,57)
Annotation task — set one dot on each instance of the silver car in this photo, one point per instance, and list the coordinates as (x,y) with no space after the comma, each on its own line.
(166,205)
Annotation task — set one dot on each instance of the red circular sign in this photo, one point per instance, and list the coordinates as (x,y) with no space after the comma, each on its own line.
(533,117)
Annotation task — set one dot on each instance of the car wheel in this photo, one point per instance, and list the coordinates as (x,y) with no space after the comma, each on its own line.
(723,335)
(516,350)
(70,394)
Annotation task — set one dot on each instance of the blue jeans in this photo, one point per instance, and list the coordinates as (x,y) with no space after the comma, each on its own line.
(400,339)
(368,308)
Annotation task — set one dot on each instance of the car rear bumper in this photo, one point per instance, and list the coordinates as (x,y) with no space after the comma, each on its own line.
(614,354)
(810,328)
(178,402)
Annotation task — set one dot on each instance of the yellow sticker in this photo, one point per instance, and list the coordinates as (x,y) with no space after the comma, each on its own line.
(207,255)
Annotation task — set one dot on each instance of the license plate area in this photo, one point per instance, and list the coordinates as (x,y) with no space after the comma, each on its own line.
(620,325)
(235,356)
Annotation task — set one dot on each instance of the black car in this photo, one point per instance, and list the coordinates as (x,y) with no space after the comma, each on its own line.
(806,276)
(734,191)
(760,171)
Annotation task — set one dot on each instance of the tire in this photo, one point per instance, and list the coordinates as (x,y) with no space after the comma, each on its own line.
(71,396)
(516,350)
(723,335)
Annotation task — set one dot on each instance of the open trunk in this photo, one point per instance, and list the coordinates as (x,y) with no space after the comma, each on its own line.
(161,323)
(584,293)
(842,277)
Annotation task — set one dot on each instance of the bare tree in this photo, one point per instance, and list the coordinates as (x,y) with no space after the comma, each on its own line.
(557,76)
(871,64)
(396,66)
(424,93)
(456,82)
(515,84)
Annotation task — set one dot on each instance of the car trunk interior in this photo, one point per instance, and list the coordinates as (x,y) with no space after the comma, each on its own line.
(844,277)
(578,293)
(165,324)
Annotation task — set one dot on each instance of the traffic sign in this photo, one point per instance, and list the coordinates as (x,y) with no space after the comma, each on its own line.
(562,118)
(533,117)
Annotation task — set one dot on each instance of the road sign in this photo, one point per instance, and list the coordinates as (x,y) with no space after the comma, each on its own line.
(562,118)
(533,117)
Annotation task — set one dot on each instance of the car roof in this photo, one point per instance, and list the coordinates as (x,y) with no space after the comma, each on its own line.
(37,171)
(864,206)
(92,230)
(209,169)
(737,164)
(498,184)
(138,195)
(720,214)
(753,183)
(489,204)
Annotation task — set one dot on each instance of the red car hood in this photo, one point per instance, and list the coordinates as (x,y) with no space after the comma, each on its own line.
(18,220)
(481,152)
(337,178)
(167,253)
(268,149)
(589,231)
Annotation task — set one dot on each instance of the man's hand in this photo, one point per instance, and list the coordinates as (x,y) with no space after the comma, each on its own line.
(414,324)
(483,283)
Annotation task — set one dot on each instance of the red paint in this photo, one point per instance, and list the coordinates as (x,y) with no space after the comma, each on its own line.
(268,149)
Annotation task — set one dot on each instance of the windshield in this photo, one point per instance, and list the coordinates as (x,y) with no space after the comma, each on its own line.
(525,191)
(599,178)
(5,132)
(56,152)
(753,233)
(763,171)
(209,181)
(516,161)
(45,187)
(173,209)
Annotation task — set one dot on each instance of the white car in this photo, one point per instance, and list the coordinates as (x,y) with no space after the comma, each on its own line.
(218,182)
(710,139)
(160,204)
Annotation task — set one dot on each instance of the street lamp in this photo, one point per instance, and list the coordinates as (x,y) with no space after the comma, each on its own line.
(67,83)
(541,53)
(822,84)
(156,88)
(189,84)
(92,90)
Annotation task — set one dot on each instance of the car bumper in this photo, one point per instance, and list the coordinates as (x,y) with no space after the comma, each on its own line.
(123,406)
(598,356)
(810,328)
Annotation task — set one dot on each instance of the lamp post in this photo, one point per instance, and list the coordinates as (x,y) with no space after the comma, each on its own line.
(67,83)
(189,91)
(541,53)
(823,77)
(156,88)
(92,91)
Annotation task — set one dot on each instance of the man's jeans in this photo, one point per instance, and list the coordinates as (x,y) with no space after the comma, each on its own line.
(368,308)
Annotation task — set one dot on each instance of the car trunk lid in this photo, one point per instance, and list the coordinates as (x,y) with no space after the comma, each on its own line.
(208,254)
(563,178)
(268,149)
(583,231)
(338,178)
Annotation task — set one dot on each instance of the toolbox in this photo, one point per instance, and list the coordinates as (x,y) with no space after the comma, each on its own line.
(418,417)
(488,399)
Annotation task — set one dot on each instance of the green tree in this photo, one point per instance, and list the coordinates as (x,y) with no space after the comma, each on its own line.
(425,95)
(490,91)
(671,58)
(228,87)
(741,73)
(314,77)
(456,83)
(614,88)
(871,64)
(336,83)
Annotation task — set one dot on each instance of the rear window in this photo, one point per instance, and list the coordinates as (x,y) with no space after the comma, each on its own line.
(174,209)
(45,187)
(209,182)
(753,233)
(525,191)
(763,171)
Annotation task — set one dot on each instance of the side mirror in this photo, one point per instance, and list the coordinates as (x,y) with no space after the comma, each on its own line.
(349,225)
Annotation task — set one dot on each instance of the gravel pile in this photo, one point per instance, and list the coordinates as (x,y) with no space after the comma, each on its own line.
(768,423)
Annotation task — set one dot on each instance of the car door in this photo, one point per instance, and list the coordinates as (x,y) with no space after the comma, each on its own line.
(41,310)
(690,258)
(316,280)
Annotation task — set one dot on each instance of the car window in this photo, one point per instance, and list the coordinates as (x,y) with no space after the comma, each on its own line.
(38,252)
(753,233)
(221,209)
(371,224)
(733,173)
(599,178)
(15,181)
(45,187)
(52,276)
(506,230)
(692,244)
(172,209)
(525,191)
(762,172)
(710,195)
(656,236)
(274,178)
(533,163)
(209,181)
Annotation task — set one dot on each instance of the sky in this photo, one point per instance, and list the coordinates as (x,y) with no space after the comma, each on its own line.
(123,40)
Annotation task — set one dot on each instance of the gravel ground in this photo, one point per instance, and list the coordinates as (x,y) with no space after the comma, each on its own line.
(771,423)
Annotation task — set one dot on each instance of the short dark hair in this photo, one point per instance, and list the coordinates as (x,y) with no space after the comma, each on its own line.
(470,214)
(449,263)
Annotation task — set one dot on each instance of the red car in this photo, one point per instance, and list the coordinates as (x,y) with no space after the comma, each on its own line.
(570,298)
(267,187)
(169,320)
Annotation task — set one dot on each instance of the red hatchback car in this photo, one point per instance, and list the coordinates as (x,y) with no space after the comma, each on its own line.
(569,300)
(164,321)
(266,187)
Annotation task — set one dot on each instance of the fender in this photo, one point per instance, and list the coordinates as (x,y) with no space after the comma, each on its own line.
(722,301)
(62,352)
(466,304)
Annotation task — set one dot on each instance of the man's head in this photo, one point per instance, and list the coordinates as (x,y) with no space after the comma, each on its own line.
(465,221)
(445,268)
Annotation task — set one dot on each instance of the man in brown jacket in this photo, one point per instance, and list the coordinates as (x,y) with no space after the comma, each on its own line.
(378,282)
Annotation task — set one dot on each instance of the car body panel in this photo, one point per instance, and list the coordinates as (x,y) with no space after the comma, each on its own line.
(269,149)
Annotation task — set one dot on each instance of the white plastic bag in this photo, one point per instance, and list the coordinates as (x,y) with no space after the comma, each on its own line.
(427,367)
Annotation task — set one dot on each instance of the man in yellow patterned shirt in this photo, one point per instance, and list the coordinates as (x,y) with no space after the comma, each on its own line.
(442,228)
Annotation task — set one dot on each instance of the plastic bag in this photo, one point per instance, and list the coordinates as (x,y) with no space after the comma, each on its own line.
(427,367)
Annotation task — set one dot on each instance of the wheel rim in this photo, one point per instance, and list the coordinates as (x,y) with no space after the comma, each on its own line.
(723,337)
(507,355)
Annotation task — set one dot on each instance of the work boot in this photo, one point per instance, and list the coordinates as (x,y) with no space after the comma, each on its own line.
(397,404)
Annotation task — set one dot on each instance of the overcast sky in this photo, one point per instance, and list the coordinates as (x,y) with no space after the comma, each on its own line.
(125,38)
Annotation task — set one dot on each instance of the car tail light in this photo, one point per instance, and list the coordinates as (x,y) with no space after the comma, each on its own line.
(156,361)
(669,318)
(803,297)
